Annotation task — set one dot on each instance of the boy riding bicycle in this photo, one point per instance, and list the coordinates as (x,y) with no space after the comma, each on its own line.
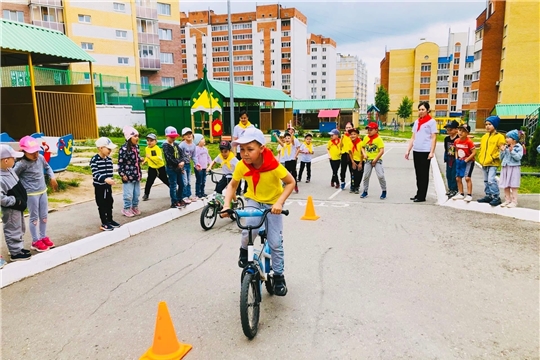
(264,175)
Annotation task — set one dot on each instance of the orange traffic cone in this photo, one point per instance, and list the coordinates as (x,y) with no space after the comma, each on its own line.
(166,346)
(310,210)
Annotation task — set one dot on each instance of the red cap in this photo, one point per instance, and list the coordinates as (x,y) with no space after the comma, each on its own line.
(372,125)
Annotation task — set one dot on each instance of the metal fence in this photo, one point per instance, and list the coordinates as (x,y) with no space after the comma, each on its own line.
(109,89)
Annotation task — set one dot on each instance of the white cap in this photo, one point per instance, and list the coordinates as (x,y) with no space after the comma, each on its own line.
(7,151)
(105,142)
(186,130)
(251,134)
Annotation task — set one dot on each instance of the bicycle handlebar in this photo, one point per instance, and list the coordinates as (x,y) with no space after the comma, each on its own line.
(252,213)
(212,173)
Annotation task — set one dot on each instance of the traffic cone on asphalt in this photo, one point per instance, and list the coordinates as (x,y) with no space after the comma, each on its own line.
(166,346)
(310,210)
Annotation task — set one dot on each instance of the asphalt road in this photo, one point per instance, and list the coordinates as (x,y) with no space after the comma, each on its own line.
(370,279)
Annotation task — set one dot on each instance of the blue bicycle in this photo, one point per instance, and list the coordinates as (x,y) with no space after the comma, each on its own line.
(257,270)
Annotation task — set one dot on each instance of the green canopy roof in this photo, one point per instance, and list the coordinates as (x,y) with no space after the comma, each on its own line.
(46,46)
(321,104)
(241,92)
(514,110)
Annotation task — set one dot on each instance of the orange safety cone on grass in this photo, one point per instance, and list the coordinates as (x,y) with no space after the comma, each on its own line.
(166,346)
(310,210)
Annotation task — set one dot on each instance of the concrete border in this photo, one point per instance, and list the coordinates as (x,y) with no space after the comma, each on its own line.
(16,271)
(442,200)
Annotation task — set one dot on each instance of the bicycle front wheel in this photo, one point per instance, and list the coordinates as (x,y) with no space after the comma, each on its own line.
(208,217)
(249,305)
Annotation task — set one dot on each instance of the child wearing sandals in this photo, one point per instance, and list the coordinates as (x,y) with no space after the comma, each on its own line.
(511,154)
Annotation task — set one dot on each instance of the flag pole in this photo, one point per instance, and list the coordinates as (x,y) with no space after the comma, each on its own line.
(231,69)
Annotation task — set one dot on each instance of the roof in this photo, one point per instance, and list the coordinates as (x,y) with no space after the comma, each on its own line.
(46,46)
(328,113)
(514,110)
(373,108)
(240,91)
(322,104)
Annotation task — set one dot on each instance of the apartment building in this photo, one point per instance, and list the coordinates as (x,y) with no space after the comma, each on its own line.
(351,80)
(322,67)
(269,47)
(131,39)
(441,75)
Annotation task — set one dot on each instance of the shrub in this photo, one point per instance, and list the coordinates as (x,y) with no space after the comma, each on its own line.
(143,130)
(110,131)
(532,154)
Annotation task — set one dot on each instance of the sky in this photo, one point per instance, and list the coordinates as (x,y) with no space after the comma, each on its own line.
(365,28)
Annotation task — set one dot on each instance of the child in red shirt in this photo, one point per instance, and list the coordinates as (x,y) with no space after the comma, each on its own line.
(465,154)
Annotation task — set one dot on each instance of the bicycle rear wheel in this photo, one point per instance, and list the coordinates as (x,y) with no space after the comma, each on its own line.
(250,305)
(208,217)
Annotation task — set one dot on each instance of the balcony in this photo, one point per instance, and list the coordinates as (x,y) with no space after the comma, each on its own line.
(49,25)
(443,72)
(148,38)
(467,83)
(150,64)
(146,12)
(442,83)
(55,3)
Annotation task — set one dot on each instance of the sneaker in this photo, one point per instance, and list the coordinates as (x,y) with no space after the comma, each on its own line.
(296,189)
(174,206)
(505,204)
(351,190)
(468,198)
(495,201)
(106,227)
(186,200)
(136,211)
(383,195)
(448,192)
(485,199)
(332,184)
(24,251)
(458,197)
(180,205)
(364,195)
(128,213)
(512,205)
(114,224)
(39,246)
(307,181)
(357,191)
(280,287)
(337,186)
(20,257)
(452,193)
(194,198)
(48,242)
(342,186)
(243,258)
(145,197)
(2,262)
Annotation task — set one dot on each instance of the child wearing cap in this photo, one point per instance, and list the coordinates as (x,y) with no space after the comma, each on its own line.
(373,150)
(129,169)
(356,159)
(265,176)
(227,161)
(306,154)
(201,160)
(450,157)
(188,147)
(13,200)
(156,165)
(489,158)
(102,174)
(465,154)
(31,171)
(334,154)
(511,154)
(288,155)
(174,161)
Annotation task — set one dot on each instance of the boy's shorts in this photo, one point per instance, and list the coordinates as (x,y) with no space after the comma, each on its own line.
(464,169)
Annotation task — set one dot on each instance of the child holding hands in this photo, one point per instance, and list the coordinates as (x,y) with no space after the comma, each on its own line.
(511,154)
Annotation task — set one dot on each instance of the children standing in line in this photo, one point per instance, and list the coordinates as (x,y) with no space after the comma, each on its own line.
(228,162)
(465,154)
(156,165)
(288,156)
(489,158)
(102,174)
(174,166)
(31,171)
(334,153)
(450,157)
(129,169)
(201,160)
(356,156)
(13,201)
(188,147)
(373,150)
(345,159)
(306,153)
(511,154)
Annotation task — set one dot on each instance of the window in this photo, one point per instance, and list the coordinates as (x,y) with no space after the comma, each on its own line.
(478,55)
(474,95)
(453,108)
(241,47)
(144,82)
(455,73)
(167,81)
(166,34)
(424,91)
(286,78)
(499,96)
(454,85)
(166,58)
(476,75)
(119,7)
(183,51)
(441,101)
(442,77)
(456,61)
(285,66)
(479,35)
(313,81)
(458,48)
(313,73)
(286,44)
(87,46)
(467,77)
(442,90)
(323,65)
(468,65)
(324,96)
(323,89)
(324,81)
(444,66)
(123,60)
(324,73)
(314,57)
(425,67)
(425,80)
(184,61)
(182,41)
(313,66)
(164,9)
(286,23)
(13,15)
(324,57)
(502,75)
(503,52)
(314,49)
(440,113)
(285,33)
(505,30)
(454,96)
(84,18)
(122,34)
(148,51)
(324,50)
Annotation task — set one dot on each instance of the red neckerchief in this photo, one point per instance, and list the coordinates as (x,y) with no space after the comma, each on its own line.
(347,134)
(269,163)
(422,121)
(335,141)
(372,137)
(354,143)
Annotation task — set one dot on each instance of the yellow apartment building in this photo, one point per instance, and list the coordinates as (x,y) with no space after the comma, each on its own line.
(351,80)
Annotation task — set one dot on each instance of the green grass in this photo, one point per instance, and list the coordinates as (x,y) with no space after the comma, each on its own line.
(66,201)
(530,185)
(530,169)
(80,169)
(63,185)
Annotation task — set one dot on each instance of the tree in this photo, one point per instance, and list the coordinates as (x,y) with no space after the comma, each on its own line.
(382,100)
(405,108)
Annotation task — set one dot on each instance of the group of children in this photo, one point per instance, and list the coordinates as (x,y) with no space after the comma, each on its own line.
(23,185)
(495,150)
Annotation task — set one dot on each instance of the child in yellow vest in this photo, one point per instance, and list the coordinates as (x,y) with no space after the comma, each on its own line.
(373,150)
(306,153)
(228,162)
(334,153)
(156,165)
(356,157)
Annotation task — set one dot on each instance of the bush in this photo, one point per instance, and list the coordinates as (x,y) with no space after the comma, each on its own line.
(143,130)
(532,154)
(110,131)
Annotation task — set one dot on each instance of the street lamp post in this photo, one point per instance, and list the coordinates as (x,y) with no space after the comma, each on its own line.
(231,69)
(207,50)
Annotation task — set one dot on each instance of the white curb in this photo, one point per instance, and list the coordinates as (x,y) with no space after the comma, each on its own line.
(440,188)
(19,270)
